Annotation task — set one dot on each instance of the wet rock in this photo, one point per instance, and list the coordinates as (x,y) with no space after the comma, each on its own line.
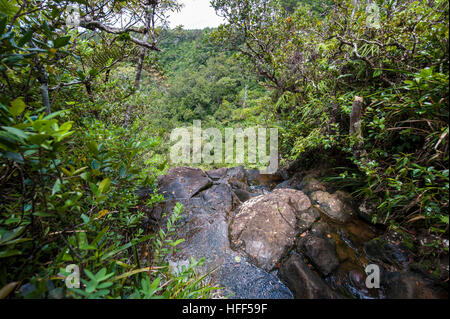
(302,281)
(350,280)
(366,210)
(183,182)
(411,285)
(321,252)
(218,198)
(237,184)
(444,266)
(385,250)
(238,173)
(310,184)
(243,195)
(264,227)
(204,226)
(144,193)
(306,218)
(294,183)
(357,279)
(322,228)
(331,205)
(217,173)
(254,177)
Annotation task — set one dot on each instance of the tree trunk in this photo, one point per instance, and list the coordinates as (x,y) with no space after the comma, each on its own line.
(355,116)
(137,81)
(245,95)
(355,130)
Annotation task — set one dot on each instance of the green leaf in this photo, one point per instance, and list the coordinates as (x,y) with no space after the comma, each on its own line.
(56,187)
(14,157)
(15,131)
(377,73)
(38,139)
(26,38)
(17,106)
(8,253)
(104,185)
(93,147)
(95,164)
(61,41)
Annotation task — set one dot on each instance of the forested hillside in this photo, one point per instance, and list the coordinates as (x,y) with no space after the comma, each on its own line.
(356,88)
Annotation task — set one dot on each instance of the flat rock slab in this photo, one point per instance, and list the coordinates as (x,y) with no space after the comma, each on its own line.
(265,226)
(183,182)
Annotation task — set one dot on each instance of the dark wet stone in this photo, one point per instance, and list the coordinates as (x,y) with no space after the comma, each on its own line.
(321,252)
(387,252)
(183,182)
(239,173)
(302,281)
(264,227)
(357,279)
(217,173)
(444,266)
(237,184)
(218,197)
(366,211)
(294,183)
(144,193)
(254,177)
(243,195)
(306,218)
(411,285)
(310,184)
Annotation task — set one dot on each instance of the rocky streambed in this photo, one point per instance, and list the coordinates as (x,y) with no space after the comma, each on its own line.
(264,236)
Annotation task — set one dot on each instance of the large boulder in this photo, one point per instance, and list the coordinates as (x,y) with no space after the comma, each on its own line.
(265,226)
(302,281)
(331,205)
(183,182)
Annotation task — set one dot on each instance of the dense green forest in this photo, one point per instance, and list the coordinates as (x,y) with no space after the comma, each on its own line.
(86,113)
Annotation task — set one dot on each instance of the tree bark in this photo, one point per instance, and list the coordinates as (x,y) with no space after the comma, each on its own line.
(355,130)
(355,116)
(137,80)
